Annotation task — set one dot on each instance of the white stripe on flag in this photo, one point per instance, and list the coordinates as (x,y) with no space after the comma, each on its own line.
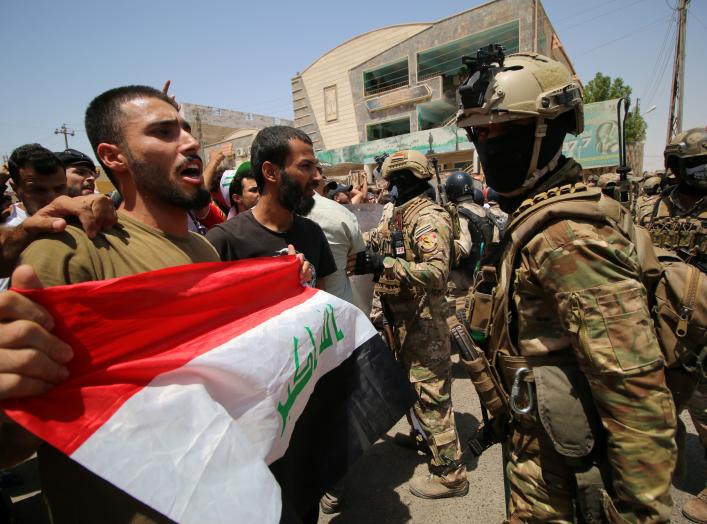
(195,442)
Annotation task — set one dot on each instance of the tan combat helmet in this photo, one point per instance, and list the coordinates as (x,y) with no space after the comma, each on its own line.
(686,156)
(607,179)
(408,160)
(651,185)
(527,85)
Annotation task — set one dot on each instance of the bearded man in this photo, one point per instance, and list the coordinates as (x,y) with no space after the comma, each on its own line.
(285,171)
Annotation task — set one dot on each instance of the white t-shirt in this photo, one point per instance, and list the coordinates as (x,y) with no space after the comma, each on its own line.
(17,216)
(341,229)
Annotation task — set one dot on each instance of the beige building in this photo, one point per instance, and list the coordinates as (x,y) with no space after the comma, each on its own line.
(396,87)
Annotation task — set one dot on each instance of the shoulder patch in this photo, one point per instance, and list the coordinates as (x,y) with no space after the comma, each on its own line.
(424,229)
(428,242)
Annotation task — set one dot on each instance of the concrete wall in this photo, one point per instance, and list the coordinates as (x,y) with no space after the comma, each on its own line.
(211,124)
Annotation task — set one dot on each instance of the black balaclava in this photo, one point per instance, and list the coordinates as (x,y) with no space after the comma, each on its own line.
(407,186)
(506,158)
(692,174)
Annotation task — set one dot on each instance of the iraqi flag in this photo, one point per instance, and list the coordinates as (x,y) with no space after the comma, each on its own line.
(219,392)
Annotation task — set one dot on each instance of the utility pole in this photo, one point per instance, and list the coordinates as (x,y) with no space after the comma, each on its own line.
(63,130)
(678,86)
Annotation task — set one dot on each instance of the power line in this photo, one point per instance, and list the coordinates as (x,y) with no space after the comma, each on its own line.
(663,68)
(627,35)
(677,89)
(694,15)
(585,20)
(63,130)
(661,60)
(578,13)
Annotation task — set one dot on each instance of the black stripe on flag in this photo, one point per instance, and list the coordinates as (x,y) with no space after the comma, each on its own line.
(350,408)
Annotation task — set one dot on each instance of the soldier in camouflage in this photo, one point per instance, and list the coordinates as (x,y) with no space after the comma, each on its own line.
(479,232)
(677,220)
(409,252)
(570,322)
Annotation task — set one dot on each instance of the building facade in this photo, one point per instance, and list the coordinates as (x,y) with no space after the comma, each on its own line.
(215,127)
(397,86)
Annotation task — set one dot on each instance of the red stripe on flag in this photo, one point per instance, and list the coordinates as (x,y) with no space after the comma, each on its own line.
(157,321)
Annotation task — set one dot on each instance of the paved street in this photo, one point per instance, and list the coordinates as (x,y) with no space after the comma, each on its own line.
(376,490)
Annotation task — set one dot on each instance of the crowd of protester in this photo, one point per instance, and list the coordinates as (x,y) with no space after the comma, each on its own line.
(174,210)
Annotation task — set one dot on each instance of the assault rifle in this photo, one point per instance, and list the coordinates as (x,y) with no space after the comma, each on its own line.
(491,394)
(440,187)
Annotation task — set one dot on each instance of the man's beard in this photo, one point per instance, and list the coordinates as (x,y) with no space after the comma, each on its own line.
(293,197)
(72,192)
(152,181)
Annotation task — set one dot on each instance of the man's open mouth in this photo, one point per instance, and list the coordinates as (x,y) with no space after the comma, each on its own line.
(192,172)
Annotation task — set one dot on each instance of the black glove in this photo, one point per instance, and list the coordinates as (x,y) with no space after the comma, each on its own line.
(368,262)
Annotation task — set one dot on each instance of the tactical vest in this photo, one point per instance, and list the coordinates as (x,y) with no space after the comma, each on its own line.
(550,390)
(481,232)
(400,220)
(675,290)
(686,235)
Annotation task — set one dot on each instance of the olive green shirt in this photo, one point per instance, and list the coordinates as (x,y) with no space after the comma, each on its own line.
(128,248)
(75,494)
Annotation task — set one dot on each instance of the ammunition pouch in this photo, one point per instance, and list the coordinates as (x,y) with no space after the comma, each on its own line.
(563,395)
(479,304)
(591,495)
(487,385)
(686,234)
(566,413)
(388,287)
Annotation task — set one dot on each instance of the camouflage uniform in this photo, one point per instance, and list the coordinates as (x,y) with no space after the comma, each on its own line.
(675,227)
(578,290)
(413,289)
(570,321)
(682,229)
(461,277)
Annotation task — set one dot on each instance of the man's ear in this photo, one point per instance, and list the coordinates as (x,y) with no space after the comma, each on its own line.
(271,173)
(112,157)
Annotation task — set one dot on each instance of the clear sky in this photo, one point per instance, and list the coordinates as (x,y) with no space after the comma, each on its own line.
(241,55)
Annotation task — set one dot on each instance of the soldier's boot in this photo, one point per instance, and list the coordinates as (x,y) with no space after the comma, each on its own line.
(442,482)
(414,441)
(696,508)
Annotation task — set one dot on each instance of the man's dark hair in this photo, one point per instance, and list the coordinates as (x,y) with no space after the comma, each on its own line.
(272,144)
(236,185)
(103,116)
(216,180)
(40,158)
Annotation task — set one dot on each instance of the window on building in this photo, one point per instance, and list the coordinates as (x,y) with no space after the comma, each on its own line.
(435,114)
(446,61)
(390,76)
(388,129)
